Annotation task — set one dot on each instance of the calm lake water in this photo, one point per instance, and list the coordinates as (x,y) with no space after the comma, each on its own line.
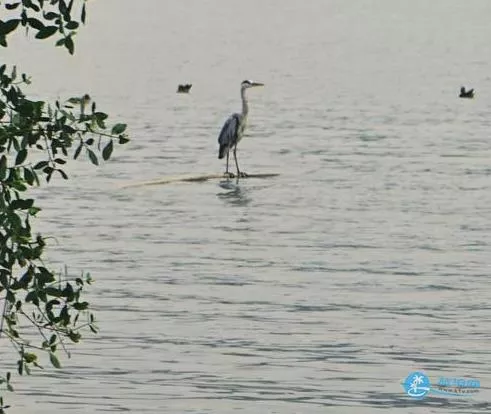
(317,291)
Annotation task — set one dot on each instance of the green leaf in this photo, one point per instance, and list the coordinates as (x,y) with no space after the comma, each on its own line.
(69,45)
(92,157)
(54,360)
(34,210)
(83,16)
(123,139)
(32,297)
(73,25)
(4,280)
(107,151)
(51,16)
(10,297)
(35,23)
(22,204)
(46,32)
(29,176)
(30,4)
(52,291)
(74,336)
(21,156)
(30,357)
(81,306)
(64,9)
(44,275)
(77,151)
(3,167)
(63,174)
(99,118)
(118,129)
(11,6)
(40,164)
(8,26)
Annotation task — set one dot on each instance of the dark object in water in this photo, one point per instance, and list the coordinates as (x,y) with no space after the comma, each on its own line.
(184,88)
(197,178)
(466,94)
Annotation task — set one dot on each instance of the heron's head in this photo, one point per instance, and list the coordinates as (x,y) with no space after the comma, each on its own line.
(250,84)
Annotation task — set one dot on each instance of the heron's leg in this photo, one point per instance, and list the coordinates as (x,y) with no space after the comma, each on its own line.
(239,173)
(227,173)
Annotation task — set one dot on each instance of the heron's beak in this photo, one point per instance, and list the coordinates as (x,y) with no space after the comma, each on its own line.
(257,84)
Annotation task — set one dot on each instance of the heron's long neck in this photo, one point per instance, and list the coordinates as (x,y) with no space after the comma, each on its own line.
(245,105)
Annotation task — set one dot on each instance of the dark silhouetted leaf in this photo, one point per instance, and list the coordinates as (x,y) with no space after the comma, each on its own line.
(74,336)
(92,157)
(31,5)
(63,174)
(21,156)
(30,357)
(73,25)
(69,45)
(77,151)
(8,26)
(118,129)
(11,6)
(83,16)
(51,16)
(46,32)
(100,117)
(3,167)
(107,151)
(68,129)
(29,176)
(81,306)
(54,360)
(40,164)
(32,297)
(35,23)
(22,204)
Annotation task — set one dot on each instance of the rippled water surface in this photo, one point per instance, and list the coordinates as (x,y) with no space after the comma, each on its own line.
(316,291)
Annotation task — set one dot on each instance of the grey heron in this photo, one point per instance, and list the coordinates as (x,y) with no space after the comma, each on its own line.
(233,129)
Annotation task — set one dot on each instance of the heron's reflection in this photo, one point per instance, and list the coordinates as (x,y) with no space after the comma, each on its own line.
(234,194)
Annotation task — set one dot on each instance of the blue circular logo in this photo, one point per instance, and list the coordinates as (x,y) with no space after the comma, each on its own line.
(417,385)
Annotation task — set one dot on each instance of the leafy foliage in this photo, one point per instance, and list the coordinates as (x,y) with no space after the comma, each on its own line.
(46,18)
(36,141)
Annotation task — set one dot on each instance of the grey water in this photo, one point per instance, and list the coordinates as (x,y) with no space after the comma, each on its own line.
(315,291)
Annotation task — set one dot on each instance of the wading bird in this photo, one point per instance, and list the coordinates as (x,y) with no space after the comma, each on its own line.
(184,88)
(466,94)
(233,129)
